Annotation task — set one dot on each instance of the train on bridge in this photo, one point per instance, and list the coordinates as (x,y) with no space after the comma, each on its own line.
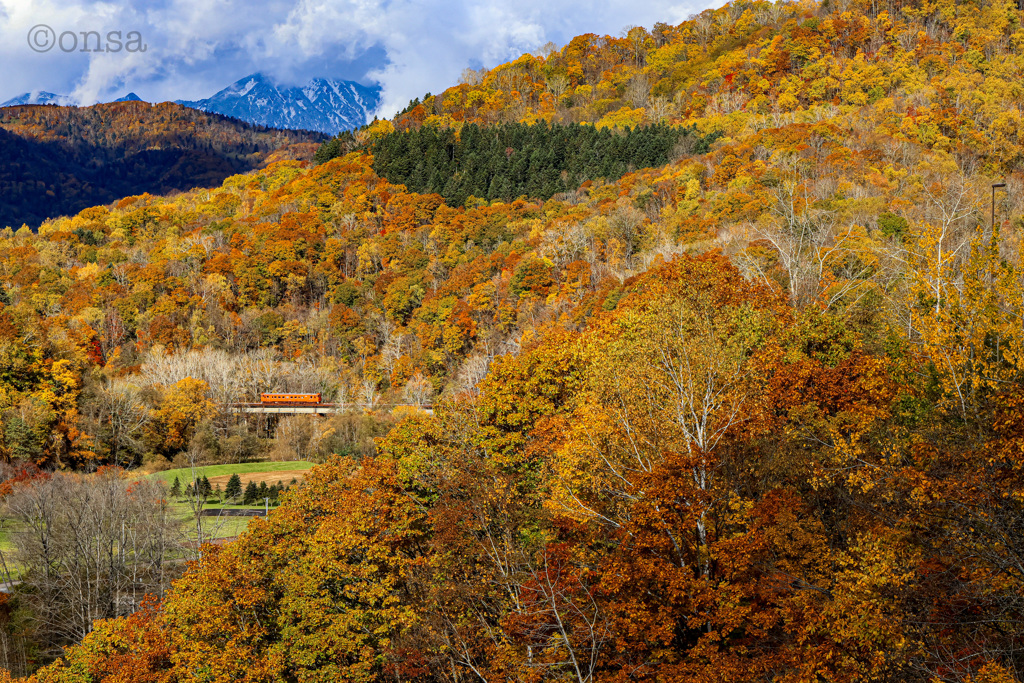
(291,399)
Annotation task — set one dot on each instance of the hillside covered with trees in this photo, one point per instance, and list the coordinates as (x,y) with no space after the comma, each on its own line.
(57,161)
(751,414)
(507,161)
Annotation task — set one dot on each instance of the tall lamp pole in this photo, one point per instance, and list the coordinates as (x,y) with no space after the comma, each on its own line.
(992,233)
(992,225)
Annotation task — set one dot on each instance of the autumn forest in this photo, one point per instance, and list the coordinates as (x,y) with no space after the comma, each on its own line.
(690,354)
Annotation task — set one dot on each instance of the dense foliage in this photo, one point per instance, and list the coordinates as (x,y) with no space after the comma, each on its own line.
(59,160)
(751,415)
(701,484)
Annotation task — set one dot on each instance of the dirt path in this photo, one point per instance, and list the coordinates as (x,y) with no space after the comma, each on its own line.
(283,476)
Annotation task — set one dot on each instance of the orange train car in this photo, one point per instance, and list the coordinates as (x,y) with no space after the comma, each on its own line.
(291,399)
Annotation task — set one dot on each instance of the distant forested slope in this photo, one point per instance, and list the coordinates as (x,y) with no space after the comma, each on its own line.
(59,160)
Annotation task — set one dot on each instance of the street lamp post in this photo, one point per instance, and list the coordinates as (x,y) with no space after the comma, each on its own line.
(992,225)
(992,231)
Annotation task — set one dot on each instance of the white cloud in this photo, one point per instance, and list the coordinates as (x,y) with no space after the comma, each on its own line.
(195,47)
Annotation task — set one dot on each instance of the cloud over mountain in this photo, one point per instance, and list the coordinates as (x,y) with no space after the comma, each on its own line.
(192,47)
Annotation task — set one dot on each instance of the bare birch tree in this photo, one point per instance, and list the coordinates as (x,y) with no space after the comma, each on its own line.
(92,546)
(120,416)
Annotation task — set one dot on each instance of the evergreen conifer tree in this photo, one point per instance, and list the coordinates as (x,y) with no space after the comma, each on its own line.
(176,488)
(251,492)
(234,487)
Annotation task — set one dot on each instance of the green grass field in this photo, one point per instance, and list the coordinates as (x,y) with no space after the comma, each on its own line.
(229,527)
(7,528)
(225,527)
(185,474)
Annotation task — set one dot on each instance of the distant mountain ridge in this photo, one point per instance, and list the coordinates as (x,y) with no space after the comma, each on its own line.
(323,104)
(43,97)
(59,160)
(39,97)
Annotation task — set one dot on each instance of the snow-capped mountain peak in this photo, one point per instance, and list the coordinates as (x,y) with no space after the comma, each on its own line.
(322,104)
(39,97)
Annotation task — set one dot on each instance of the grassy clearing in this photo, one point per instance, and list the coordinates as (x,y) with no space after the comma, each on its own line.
(184,474)
(7,548)
(215,528)
(225,527)
(229,527)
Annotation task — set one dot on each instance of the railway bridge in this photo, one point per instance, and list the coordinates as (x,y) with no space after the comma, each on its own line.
(309,404)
